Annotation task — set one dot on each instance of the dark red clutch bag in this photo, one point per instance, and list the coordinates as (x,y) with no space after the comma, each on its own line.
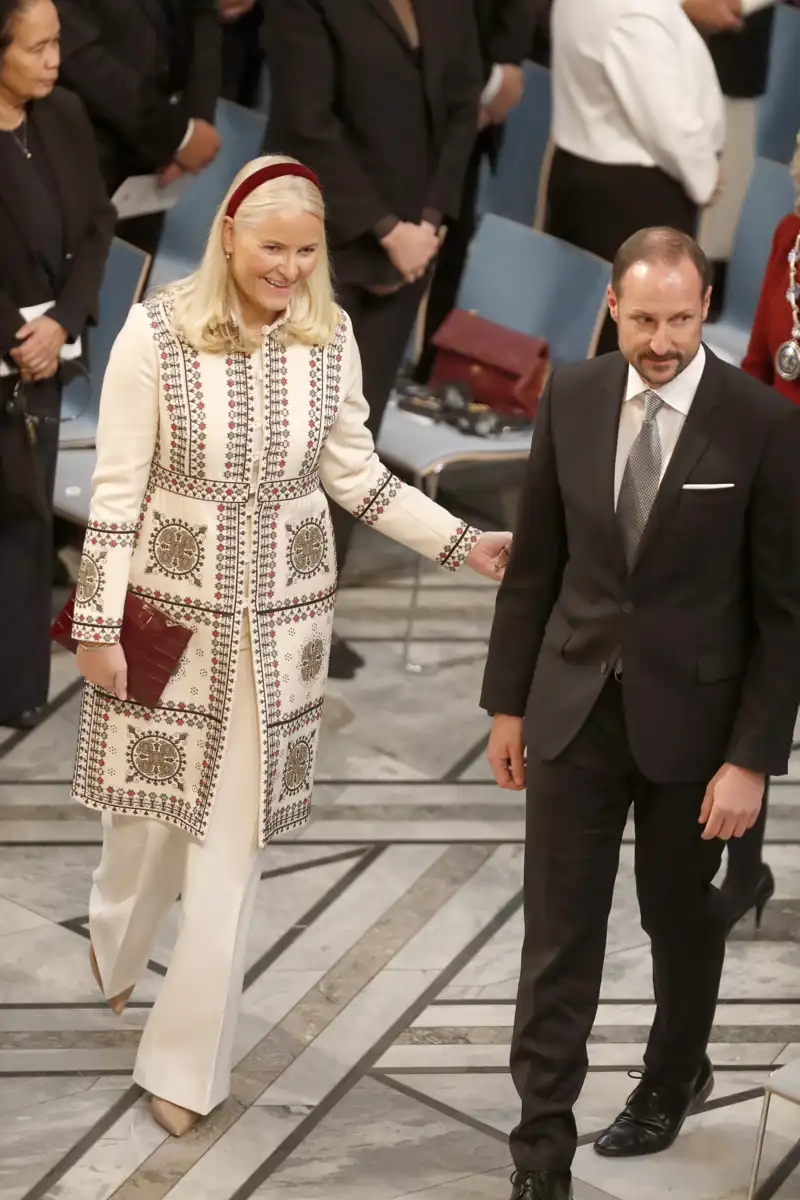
(504,369)
(153,645)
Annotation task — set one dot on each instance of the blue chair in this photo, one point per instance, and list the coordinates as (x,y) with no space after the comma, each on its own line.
(779,107)
(536,284)
(512,191)
(769,197)
(187,224)
(524,280)
(123,282)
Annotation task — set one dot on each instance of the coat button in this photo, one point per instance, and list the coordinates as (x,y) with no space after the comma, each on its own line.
(627,607)
(69,256)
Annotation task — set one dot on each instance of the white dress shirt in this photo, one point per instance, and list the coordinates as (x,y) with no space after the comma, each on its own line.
(634,84)
(677,395)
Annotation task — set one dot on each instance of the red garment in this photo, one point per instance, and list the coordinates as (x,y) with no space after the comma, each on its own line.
(773,320)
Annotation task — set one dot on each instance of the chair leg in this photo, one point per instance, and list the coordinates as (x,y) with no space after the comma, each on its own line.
(430,486)
(762,1129)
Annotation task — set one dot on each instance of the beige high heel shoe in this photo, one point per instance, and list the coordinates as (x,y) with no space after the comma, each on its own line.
(115,1003)
(176,1120)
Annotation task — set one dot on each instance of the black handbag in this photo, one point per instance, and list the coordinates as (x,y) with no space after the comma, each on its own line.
(23,493)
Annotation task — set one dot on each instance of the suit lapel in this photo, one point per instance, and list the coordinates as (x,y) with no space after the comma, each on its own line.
(385,9)
(157,12)
(60,165)
(692,443)
(599,437)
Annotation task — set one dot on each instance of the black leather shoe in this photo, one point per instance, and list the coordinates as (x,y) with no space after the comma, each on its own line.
(541,1185)
(742,895)
(24,720)
(345,661)
(654,1116)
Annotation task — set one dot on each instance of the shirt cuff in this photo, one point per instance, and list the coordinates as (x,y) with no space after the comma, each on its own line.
(187,137)
(384,227)
(493,85)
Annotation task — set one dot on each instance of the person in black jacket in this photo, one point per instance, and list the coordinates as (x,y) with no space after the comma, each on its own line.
(149,74)
(380,98)
(505,31)
(56,225)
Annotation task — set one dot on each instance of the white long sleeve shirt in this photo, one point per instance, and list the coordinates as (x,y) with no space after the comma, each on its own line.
(635,85)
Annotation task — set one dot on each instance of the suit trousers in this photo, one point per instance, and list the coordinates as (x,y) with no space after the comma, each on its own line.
(185,1055)
(26,580)
(382,326)
(598,206)
(577,808)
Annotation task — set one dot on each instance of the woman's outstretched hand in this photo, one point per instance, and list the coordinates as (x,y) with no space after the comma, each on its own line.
(490,554)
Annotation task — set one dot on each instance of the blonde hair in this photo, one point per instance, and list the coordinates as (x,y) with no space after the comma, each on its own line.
(794,167)
(203,304)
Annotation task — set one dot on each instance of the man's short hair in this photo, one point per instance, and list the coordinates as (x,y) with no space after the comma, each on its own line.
(663,245)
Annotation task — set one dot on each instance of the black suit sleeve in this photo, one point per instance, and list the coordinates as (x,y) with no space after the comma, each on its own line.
(511,34)
(11,319)
(77,302)
(533,577)
(205,75)
(302,65)
(764,725)
(464,85)
(114,93)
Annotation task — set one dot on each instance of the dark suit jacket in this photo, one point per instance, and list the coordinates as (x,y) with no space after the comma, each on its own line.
(388,137)
(505,34)
(708,619)
(143,68)
(63,130)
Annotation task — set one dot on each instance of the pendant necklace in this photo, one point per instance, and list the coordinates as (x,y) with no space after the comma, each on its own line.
(787,359)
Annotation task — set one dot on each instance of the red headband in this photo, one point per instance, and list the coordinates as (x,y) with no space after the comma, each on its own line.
(264,175)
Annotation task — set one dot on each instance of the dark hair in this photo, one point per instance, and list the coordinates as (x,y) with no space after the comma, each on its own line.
(659,244)
(9,9)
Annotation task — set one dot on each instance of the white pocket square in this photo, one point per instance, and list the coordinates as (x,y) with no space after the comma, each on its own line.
(706,487)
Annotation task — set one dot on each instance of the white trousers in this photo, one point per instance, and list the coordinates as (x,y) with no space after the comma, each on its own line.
(187,1045)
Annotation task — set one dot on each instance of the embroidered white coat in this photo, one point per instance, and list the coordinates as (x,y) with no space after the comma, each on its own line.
(170,519)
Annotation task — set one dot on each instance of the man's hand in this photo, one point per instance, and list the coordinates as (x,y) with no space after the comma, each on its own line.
(42,341)
(732,802)
(231,10)
(714,16)
(170,174)
(201,149)
(507,97)
(506,753)
(411,248)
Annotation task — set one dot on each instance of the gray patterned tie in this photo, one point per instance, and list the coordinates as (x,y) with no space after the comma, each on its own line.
(640,481)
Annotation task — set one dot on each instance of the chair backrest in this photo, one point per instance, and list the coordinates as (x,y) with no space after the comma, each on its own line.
(512,191)
(536,284)
(123,282)
(186,225)
(769,197)
(779,107)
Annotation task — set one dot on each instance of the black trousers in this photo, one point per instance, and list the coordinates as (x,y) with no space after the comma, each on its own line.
(598,207)
(26,578)
(577,807)
(382,326)
(450,262)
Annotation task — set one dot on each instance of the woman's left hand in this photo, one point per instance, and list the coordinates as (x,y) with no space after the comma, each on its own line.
(489,555)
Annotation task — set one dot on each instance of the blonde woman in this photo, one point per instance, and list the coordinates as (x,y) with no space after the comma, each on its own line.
(230,402)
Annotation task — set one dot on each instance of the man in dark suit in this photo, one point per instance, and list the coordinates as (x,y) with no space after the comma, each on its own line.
(380,98)
(645,652)
(505,33)
(149,73)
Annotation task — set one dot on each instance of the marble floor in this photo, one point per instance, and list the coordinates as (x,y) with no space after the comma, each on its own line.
(372,1048)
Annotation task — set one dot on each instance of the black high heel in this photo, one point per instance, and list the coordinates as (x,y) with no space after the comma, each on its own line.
(754,893)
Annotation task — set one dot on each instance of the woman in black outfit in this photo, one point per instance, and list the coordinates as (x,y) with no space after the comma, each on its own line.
(380,98)
(56,225)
